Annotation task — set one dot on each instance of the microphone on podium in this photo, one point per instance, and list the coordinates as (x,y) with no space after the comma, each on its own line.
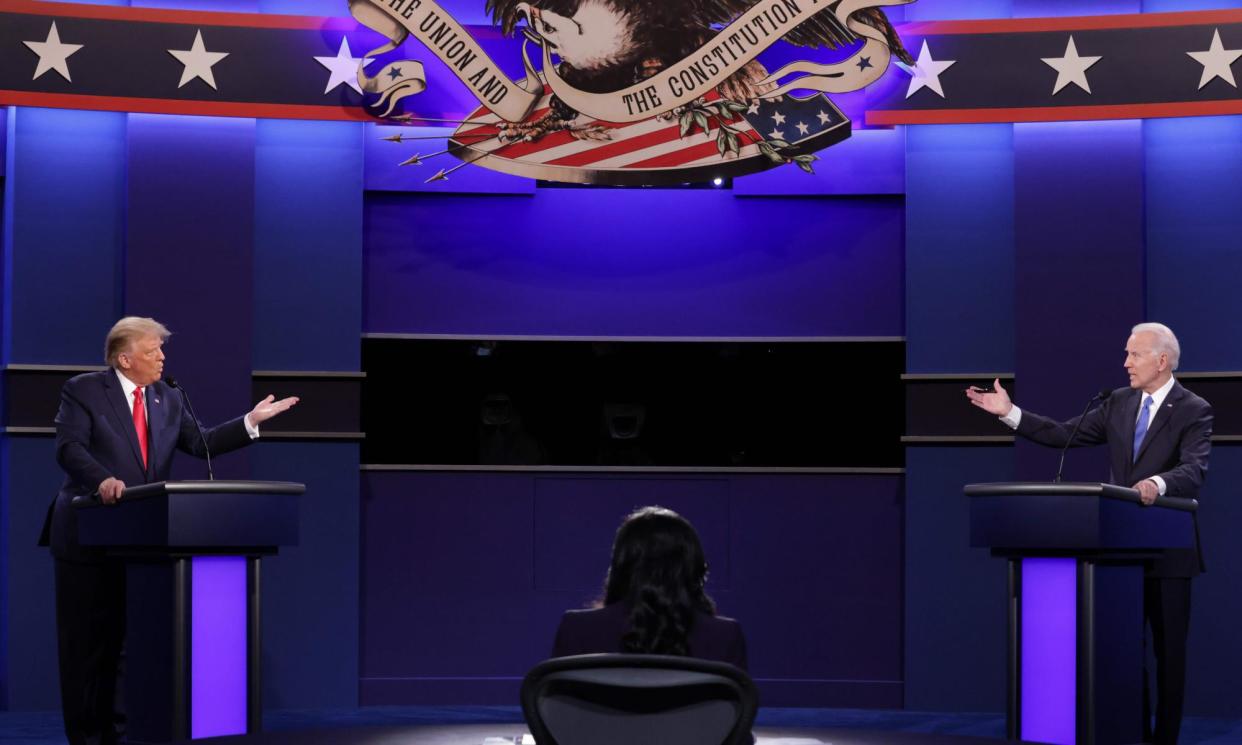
(1097,398)
(172,383)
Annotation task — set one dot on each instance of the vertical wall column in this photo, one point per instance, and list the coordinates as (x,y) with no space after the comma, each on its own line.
(308,318)
(1193,262)
(959,319)
(188,263)
(64,188)
(1080,272)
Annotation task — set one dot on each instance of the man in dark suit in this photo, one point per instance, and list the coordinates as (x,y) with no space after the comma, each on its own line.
(115,428)
(1159,437)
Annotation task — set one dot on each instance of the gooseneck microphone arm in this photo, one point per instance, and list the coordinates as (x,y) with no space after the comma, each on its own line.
(1101,396)
(172,383)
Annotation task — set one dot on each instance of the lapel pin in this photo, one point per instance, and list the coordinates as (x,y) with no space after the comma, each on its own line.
(157,400)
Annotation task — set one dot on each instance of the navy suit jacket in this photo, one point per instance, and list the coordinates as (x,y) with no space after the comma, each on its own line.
(95,440)
(1176,449)
(599,630)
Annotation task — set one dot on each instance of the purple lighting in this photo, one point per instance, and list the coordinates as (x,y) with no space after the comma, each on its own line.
(218,646)
(1049,649)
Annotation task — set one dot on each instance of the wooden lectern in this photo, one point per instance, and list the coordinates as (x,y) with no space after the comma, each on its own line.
(1076,555)
(192,551)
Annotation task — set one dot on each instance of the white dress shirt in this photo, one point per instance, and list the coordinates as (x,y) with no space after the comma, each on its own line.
(1015,415)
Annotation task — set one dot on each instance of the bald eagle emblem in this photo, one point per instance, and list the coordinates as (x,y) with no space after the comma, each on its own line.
(642,91)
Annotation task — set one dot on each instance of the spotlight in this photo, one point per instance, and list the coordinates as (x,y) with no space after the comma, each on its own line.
(718,181)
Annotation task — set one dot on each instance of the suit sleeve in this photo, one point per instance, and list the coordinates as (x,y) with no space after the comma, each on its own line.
(221,439)
(1045,431)
(73,438)
(1195,445)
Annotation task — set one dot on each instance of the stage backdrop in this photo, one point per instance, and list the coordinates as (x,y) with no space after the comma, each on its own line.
(271,246)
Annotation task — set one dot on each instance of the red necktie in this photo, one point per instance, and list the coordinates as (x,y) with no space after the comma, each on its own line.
(140,424)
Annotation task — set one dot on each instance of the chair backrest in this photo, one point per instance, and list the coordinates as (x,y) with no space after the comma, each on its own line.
(638,699)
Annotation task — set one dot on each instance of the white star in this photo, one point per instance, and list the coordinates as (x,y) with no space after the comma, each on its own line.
(1216,62)
(1071,68)
(197,61)
(53,55)
(823,118)
(344,67)
(754,107)
(926,72)
(802,128)
(778,117)
(776,134)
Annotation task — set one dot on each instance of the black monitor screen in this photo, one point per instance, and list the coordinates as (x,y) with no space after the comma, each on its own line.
(633,403)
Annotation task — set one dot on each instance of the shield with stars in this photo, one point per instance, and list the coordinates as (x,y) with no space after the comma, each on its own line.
(707,140)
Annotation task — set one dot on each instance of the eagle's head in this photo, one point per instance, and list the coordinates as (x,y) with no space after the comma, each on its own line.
(599,35)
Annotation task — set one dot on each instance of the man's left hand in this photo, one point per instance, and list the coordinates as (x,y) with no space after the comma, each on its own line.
(1148,491)
(268,408)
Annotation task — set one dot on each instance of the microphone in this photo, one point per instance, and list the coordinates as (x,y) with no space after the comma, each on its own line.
(172,383)
(1101,396)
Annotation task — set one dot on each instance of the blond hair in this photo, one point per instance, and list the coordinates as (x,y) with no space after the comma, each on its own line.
(129,330)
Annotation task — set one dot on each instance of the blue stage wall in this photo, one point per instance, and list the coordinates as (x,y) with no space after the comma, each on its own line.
(1026,249)
(810,564)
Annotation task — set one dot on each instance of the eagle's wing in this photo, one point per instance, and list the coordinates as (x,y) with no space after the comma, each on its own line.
(505,12)
(823,29)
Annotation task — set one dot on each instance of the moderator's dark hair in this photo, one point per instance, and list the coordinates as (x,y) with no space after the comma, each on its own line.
(659,568)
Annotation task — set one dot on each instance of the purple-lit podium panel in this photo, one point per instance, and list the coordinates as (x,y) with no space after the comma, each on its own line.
(1076,554)
(192,551)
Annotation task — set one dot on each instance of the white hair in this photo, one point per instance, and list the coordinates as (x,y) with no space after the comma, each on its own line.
(1165,341)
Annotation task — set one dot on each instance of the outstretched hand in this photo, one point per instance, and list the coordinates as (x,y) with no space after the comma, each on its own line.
(994,402)
(270,407)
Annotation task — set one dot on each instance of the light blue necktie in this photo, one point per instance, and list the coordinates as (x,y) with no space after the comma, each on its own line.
(1140,429)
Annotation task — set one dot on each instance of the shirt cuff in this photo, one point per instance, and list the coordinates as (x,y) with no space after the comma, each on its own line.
(1160,485)
(1013,417)
(251,430)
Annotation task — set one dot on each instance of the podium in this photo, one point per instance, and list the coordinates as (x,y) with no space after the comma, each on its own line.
(1076,553)
(192,549)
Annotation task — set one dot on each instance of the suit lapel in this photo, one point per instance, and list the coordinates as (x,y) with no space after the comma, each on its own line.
(122,417)
(1161,417)
(157,418)
(1130,412)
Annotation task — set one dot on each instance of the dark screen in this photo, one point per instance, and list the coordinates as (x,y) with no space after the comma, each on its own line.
(608,403)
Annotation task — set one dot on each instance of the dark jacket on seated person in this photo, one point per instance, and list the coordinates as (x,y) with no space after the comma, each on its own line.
(600,630)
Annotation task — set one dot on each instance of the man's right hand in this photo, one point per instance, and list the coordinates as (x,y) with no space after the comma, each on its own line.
(110,490)
(994,402)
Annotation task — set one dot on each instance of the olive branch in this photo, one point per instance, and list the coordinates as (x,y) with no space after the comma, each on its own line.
(729,139)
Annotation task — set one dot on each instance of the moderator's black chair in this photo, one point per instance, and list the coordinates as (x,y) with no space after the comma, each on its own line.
(638,699)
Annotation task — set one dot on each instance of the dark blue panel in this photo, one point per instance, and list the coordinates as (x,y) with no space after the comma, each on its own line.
(310,592)
(598,505)
(955,608)
(308,245)
(1053,8)
(1193,229)
(64,226)
(811,565)
(959,248)
(1080,261)
(189,257)
(952,10)
(1215,654)
(28,481)
(644,262)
